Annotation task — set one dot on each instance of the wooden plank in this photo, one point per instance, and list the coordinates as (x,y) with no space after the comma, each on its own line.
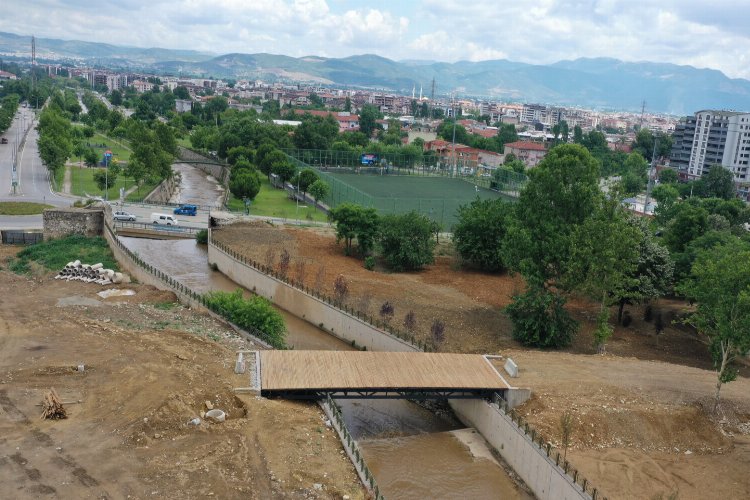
(287,370)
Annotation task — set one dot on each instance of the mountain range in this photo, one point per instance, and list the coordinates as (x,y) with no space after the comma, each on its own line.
(600,83)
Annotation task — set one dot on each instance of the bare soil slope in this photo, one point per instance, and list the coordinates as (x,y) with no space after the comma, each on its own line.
(149,368)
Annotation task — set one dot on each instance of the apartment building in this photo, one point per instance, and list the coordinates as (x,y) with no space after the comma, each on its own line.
(712,137)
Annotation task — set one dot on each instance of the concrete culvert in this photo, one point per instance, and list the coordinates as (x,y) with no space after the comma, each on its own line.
(216,415)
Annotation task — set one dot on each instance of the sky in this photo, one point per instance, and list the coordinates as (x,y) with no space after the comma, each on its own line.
(706,34)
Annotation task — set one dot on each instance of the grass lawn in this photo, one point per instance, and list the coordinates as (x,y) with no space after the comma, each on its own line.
(274,202)
(21,208)
(436,197)
(119,151)
(82,183)
(55,254)
(184,142)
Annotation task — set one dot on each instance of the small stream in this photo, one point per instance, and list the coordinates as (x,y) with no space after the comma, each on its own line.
(413,452)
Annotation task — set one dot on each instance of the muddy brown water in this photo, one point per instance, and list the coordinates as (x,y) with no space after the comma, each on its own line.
(196,187)
(413,452)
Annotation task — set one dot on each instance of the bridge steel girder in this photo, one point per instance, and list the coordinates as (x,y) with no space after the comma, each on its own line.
(375,393)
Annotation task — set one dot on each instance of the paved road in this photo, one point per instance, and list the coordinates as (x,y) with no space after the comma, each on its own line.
(32,175)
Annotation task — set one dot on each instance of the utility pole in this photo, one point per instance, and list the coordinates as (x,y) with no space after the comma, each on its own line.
(643,109)
(453,108)
(651,171)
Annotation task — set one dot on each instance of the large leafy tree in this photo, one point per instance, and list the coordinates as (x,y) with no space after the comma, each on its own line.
(245,184)
(604,261)
(319,190)
(305,178)
(480,231)
(368,117)
(354,222)
(719,183)
(719,284)
(653,275)
(562,192)
(406,241)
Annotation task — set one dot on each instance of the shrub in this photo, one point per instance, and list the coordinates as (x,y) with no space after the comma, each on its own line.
(410,321)
(369,262)
(479,233)
(437,332)
(540,320)
(406,241)
(202,236)
(386,311)
(253,313)
(340,290)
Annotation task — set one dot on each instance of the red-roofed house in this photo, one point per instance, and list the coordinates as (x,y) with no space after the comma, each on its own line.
(347,121)
(531,153)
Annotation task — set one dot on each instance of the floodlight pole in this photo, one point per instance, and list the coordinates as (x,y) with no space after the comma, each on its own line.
(453,108)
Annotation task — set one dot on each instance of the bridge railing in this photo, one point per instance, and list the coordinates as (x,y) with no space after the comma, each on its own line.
(333,411)
(156,227)
(545,447)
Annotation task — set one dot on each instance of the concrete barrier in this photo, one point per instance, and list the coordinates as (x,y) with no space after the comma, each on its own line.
(305,306)
(528,459)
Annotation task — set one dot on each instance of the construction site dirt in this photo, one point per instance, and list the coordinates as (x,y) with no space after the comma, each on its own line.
(148,368)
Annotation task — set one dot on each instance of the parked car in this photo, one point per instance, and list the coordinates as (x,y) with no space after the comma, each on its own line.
(3,140)
(123,216)
(163,219)
(186,210)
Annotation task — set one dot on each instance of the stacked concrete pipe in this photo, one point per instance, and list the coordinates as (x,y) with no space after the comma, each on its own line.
(75,271)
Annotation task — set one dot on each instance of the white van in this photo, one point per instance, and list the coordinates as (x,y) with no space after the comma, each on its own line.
(167,219)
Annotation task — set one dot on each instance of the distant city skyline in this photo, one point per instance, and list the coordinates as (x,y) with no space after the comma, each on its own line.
(698,33)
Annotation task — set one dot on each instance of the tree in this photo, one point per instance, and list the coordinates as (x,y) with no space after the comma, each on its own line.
(652,277)
(116,98)
(245,185)
(267,160)
(540,320)
(91,157)
(406,241)
(104,179)
(719,283)
(562,192)
(668,176)
(284,169)
(719,183)
(180,92)
(688,223)
(319,190)
(367,119)
(355,222)
(479,233)
(666,195)
(305,178)
(604,260)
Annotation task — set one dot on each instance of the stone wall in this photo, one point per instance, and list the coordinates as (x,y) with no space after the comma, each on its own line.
(163,192)
(61,222)
(209,165)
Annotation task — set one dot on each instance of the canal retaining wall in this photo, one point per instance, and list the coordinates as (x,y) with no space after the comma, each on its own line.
(314,309)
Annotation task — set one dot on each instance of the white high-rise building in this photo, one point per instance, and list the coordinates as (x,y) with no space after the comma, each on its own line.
(712,137)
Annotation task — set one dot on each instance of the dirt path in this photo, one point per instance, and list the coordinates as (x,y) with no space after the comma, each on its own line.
(66,187)
(149,368)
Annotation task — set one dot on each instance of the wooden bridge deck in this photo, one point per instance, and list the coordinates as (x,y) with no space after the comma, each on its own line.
(307,373)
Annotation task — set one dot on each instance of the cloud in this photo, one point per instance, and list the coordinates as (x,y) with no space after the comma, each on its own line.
(534,31)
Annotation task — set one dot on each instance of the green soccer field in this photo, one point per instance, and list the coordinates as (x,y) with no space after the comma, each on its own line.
(436,197)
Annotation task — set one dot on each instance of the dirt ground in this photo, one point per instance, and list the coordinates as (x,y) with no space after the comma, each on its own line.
(643,425)
(150,366)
